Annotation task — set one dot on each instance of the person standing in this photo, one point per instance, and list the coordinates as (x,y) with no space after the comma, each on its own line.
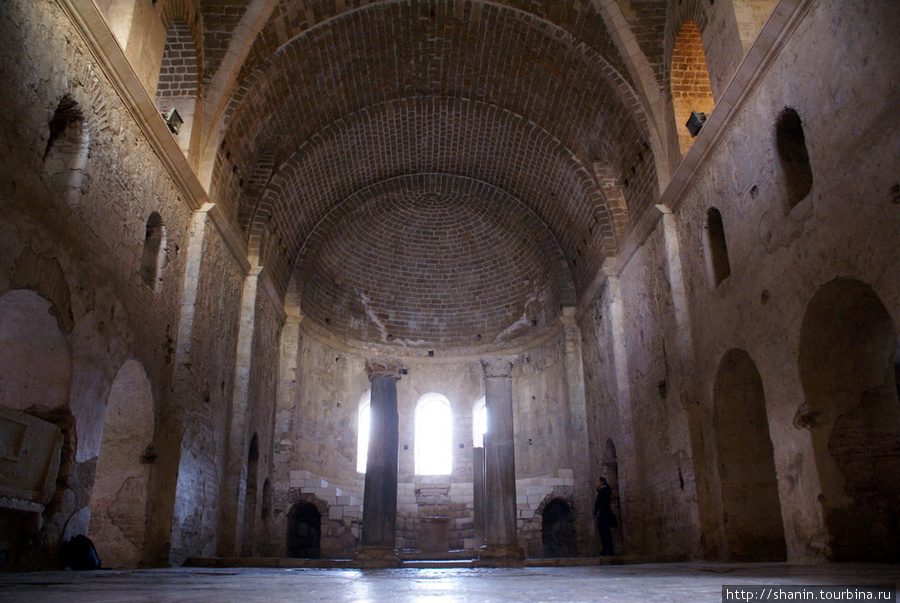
(604,517)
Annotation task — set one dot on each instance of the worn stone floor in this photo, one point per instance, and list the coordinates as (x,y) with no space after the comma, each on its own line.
(650,582)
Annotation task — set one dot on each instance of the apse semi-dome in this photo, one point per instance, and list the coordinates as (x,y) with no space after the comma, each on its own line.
(433,261)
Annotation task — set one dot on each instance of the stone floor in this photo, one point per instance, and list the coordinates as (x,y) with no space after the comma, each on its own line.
(650,582)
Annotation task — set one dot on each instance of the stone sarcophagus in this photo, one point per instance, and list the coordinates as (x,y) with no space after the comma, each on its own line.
(29,461)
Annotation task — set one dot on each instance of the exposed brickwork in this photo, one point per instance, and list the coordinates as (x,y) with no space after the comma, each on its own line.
(577,19)
(219,19)
(577,97)
(647,19)
(487,144)
(413,261)
(690,81)
(179,72)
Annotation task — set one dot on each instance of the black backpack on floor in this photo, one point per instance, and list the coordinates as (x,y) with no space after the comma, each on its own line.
(79,553)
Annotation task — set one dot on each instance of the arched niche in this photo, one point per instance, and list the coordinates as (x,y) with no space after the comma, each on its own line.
(35,359)
(848,369)
(304,531)
(558,529)
(67,151)
(718,266)
(790,142)
(120,495)
(154,251)
(250,497)
(754,529)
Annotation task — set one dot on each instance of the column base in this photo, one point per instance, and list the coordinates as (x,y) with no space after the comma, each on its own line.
(500,555)
(377,557)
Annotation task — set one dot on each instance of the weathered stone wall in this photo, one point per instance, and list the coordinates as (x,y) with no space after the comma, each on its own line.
(261,418)
(779,255)
(204,387)
(81,248)
(660,506)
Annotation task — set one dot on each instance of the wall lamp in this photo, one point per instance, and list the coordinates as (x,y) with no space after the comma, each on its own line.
(173,120)
(695,122)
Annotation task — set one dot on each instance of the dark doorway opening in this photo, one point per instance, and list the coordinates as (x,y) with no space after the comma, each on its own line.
(558,529)
(304,531)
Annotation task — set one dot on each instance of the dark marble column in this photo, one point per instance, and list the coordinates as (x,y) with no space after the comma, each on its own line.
(377,541)
(478,494)
(501,543)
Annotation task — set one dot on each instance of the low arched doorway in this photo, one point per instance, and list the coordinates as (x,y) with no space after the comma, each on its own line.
(304,531)
(849,372)
(558,529)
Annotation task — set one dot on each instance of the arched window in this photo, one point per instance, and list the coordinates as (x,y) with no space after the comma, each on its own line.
(362,440)
(791,143)
(67,151)
(479,422)
(434,434)
(154,250)
(717,262)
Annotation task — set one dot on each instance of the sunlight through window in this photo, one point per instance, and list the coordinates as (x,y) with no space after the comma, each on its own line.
(362,444)
(434,432)
(479,422)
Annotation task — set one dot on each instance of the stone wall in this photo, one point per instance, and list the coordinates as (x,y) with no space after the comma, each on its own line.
(781,253)
(79,243)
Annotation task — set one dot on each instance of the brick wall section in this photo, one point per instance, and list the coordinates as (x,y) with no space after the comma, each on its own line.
(413,262)
(219,20)
(179,72)
(647,20)
(690,81)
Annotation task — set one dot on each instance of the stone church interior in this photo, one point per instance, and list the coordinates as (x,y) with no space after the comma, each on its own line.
(391,280)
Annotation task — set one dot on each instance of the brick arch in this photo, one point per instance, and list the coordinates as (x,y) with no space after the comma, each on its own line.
(603,118)
(358,151)
(45,277)
(564,494)
(590,38)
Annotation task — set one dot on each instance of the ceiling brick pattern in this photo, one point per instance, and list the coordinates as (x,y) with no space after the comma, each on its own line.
(414,262)
(427,135)
(219,20)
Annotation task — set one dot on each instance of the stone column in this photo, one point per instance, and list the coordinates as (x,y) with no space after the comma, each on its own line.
(501,544)
(478,494)
(579,446)
(377,542)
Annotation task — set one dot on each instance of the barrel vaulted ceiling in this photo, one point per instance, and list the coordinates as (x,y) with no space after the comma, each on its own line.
(426,174)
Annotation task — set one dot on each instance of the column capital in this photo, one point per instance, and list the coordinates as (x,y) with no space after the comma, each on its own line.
(497,366)
(383,366)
